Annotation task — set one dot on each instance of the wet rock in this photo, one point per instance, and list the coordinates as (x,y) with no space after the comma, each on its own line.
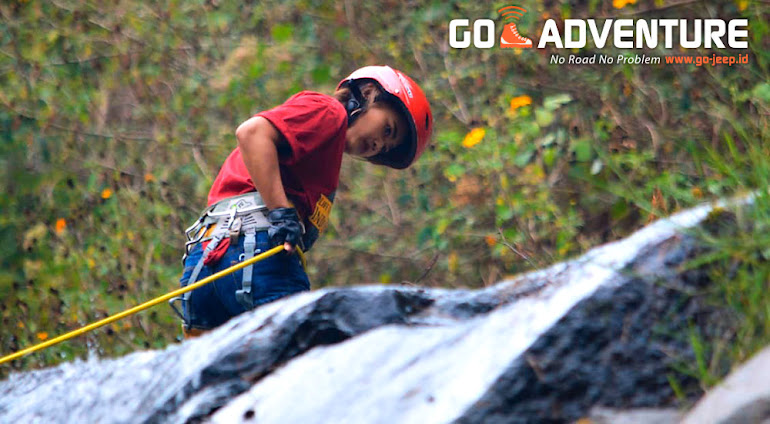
(633,416)
(743,397)
(188,381)
(547,346)
(559,341)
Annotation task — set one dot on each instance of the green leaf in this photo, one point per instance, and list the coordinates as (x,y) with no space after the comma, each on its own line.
(762,92)
(544,117)
(504,213)
(442,225)
(454,170)
(582,150)
(523,158)
(424,235)
(548,140)
(549,157)
(619,209)
(552,103)
(282,32)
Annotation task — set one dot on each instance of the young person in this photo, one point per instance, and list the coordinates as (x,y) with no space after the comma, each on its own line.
(278,185)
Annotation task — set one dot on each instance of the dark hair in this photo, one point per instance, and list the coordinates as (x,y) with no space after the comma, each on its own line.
(343,94)
(370,93)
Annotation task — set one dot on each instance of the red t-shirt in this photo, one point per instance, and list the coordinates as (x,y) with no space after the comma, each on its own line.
(314,126)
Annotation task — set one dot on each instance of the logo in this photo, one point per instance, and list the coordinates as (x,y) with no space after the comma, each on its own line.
(649,33)
(407,85)
(624,34)
(510,37)
(320,216)
(483,34)
(239,204)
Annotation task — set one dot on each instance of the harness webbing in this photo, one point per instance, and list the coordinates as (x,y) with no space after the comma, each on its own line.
(199,266)
(243,296)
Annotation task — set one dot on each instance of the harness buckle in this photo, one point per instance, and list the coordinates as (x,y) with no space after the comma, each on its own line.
(234,229)
(179,299)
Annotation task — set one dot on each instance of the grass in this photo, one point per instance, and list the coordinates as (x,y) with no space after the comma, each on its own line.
(735,254)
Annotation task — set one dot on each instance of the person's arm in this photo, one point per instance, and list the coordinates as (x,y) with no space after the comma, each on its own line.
(259,140)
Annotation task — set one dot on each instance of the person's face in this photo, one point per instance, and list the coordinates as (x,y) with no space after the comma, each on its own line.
(379,129)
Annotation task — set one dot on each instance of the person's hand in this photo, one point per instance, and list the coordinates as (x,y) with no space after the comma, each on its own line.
(285,227)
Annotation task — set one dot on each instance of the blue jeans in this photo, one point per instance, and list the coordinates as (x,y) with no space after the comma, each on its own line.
(272,278)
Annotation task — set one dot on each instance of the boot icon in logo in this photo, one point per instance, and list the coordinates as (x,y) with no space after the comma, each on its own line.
(510,37)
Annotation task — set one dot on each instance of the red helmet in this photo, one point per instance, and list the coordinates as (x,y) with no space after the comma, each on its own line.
(413,104)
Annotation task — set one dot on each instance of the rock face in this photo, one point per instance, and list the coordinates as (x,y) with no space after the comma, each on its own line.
(634,416)
(548,346)
(743,397)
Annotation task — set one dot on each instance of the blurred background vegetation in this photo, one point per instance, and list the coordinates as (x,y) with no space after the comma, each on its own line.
(117,115)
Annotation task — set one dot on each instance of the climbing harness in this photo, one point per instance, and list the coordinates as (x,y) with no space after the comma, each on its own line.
(228,216)
(218,227)
(143,306)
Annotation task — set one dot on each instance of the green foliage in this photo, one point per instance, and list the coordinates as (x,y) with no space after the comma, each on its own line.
(737,257)
(142,100)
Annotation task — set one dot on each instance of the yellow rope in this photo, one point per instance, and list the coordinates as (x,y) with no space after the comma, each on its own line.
(148,304)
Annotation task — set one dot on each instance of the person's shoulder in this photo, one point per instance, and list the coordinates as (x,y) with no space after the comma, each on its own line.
(316,97)
(311,100)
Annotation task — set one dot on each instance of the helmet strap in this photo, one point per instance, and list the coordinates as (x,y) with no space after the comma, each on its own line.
(353,106)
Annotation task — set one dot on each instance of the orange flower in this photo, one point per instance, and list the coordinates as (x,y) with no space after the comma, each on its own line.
(42,335)
(696,192)
(149,178)
(627,89)
(491,240)
(619,4)
(106,193)
(474,137)
(520,101)
(61,224)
